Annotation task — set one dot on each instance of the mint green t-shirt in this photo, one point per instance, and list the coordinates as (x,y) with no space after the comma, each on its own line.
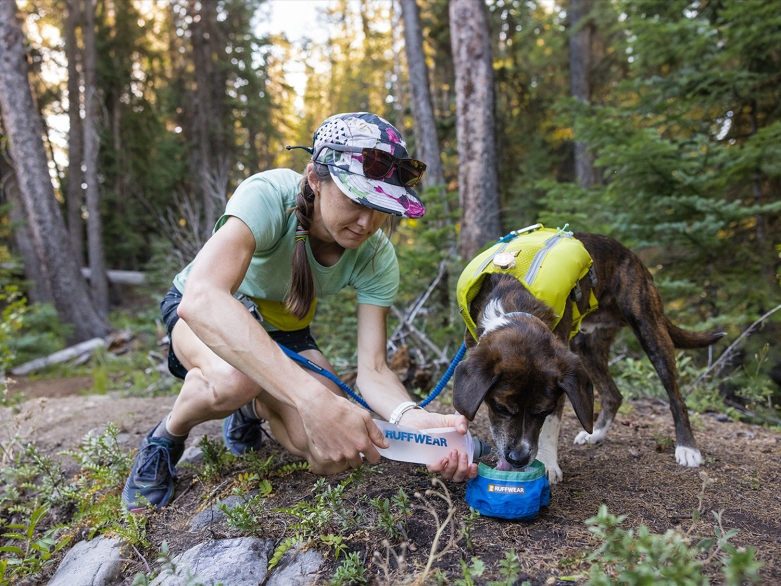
(262,203)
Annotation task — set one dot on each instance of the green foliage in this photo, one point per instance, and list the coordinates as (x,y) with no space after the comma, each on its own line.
(637,556)
(246,517)
(471,571)
(350,572)
(509,569)
(12,320)
(282,548)
(327,513)
(41,333)
(392,517)
(104,463)
(468,525)
(335,542)
(216,458)
(26,553)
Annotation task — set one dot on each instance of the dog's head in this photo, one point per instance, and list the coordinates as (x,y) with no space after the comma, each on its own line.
(520,371)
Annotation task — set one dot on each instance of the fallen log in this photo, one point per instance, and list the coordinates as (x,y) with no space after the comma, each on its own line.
(119,277)
(62,356)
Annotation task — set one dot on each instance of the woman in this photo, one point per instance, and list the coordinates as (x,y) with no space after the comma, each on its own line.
(283,240)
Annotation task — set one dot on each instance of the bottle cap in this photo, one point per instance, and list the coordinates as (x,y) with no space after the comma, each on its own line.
(480,448)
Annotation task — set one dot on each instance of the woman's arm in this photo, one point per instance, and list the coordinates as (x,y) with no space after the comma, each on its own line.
(384,392)
(225,326)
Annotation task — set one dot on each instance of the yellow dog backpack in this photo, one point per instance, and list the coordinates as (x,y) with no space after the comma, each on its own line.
(548,262)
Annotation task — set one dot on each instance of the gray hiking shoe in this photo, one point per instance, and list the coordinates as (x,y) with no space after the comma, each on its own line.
(241,433)
(153,474)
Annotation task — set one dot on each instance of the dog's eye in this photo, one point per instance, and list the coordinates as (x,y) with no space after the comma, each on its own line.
(543,414)
(500,409)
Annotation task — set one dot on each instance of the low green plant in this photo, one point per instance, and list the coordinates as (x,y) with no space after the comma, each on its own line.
(282,548)
(392,513)
(327,513)
(27,551)
(755,387)
(638,556)
(350,572)
(261,467)
(216,458)
(471,571)
(289,469)
(246,517)
(509,569)
(468,525)
(336,543)
(39,332)
(104,463)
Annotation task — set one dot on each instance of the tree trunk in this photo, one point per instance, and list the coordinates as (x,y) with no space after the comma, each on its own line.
(475,125)
(426,138)
(97,259)
(580,69)
(38,290)
(203,106)
(49,236)
(75,194)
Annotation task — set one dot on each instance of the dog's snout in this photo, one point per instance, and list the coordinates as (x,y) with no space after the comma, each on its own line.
(518,458)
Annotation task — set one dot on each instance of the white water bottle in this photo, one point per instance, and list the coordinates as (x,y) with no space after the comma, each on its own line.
(428,446)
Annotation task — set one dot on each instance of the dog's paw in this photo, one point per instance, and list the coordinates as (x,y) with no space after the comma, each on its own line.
(552,469)
(585,437)
(690,457)
(554,473)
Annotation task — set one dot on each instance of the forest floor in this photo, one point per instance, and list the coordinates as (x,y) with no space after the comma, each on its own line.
(633,472)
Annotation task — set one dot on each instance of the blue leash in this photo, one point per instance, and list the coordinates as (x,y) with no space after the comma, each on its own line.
(296,357)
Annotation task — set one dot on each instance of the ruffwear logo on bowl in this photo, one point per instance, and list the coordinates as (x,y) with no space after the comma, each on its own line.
(506,489)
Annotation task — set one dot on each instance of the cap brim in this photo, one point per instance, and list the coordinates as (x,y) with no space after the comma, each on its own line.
(378,195)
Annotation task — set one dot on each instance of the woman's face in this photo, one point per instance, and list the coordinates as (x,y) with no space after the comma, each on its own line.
(339,219)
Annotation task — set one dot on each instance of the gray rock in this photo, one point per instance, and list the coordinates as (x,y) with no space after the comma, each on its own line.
(191,455)
(232,562)
(91,563)
(297,568)
(213,515)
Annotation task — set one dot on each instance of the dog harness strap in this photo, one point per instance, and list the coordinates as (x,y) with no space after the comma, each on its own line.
(399,411)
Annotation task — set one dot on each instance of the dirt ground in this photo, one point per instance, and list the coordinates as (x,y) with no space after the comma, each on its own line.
(633,472)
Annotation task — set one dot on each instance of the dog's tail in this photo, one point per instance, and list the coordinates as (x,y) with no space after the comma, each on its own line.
(685,339)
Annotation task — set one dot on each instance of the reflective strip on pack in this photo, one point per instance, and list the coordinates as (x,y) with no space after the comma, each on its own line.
(549,263)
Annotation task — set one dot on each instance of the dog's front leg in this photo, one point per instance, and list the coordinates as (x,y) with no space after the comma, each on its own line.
(548,451)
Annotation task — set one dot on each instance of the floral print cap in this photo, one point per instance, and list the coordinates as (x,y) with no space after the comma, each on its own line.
(362,129)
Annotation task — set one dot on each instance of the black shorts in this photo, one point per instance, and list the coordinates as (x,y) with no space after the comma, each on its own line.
(297,340)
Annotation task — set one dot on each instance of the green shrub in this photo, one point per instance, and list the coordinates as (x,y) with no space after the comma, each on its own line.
(638,557)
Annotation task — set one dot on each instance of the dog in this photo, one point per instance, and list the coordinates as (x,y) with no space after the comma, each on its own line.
(525,362)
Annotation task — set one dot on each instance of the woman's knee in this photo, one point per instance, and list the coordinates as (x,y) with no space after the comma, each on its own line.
(223,387)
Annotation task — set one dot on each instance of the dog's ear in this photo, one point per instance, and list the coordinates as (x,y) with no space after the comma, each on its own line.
(470,385)
(577,385)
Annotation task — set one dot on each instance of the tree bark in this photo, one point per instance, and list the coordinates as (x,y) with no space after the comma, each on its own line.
(580,70)
(204,109)
(475,125)
(38,290)
(49,236)
(96,254)
(426,138)
(75,194)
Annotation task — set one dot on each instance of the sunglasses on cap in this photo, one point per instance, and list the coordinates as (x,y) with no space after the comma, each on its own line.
(377,164)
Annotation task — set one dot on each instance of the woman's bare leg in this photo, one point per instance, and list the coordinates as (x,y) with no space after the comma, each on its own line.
(213,389)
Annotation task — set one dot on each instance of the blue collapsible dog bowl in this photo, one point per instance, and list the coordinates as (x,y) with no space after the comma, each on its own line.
(509,494)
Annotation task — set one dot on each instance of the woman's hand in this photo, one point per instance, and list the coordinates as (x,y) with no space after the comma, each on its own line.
(456,466)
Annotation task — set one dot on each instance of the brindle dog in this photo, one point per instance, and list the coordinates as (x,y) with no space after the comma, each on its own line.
(522,369)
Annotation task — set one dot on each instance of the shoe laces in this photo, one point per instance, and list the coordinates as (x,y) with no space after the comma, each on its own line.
(153,453)
(247,426)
